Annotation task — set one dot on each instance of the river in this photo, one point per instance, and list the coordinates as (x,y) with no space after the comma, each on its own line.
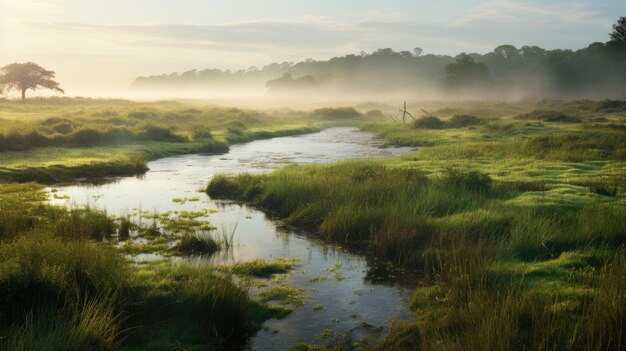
(342,290)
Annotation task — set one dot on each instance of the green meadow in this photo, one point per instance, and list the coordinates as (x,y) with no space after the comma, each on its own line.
(53,140)
(512,213)
(515,215)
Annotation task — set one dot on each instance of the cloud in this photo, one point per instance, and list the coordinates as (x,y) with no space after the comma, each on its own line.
(304,36)
(29,6)
(478,30)
(533,13)
(244,35)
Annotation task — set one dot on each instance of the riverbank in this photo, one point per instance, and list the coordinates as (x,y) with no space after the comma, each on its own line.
(514,220)
(55,165)
(57,140)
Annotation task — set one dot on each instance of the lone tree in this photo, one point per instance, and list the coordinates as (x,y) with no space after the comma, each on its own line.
(619,31)
(25,76)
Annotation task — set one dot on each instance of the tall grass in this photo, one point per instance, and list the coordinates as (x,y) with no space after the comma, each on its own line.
(496,275)
(92,325)
(63,286)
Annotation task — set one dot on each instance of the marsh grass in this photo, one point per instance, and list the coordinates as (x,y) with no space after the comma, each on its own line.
(507,262)
(190,305)
(512,224)
(63,288)
(263,268)
(197,244)
(54,140)
(92,325)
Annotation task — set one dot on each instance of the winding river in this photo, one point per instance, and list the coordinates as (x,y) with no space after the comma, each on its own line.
(345,292)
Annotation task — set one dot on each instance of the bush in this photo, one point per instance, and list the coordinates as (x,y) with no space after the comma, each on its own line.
(119,135)
(63,127)
(336,113)
(373,114)
(612,106)
(86,137)
(142,114)
(459,121)
(236,127)
(36,139)
(428,122)
(201,133)
(54,120)
(548,116)
(156,133)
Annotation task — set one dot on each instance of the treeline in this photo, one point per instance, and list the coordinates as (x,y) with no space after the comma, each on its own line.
(599,70)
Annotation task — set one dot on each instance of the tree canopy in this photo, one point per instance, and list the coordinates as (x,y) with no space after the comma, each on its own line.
(27,76)
(466,72)
(619,31)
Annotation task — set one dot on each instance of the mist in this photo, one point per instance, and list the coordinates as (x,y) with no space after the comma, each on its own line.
(507,72)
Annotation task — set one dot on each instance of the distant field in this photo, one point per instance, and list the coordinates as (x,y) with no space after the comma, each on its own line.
(57,139)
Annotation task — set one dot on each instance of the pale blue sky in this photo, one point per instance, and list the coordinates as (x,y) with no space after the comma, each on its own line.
(119,40)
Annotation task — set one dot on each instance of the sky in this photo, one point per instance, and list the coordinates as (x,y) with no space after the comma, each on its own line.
(100,46)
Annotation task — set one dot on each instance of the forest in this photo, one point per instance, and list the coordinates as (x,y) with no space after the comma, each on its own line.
(598,70)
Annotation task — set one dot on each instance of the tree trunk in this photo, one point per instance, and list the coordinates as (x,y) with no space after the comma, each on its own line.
(23,94)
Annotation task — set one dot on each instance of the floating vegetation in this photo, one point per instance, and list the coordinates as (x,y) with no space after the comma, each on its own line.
(319,307)
(284,295)
(317,278)
(263,268)
(184,200)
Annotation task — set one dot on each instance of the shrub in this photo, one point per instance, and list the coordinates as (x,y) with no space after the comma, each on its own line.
(54,120)
(459,121)
(336,113)
(63,127)
(142,114)
(86,137)
(236,127)
(548,116)
(373,114)
(156,133)
(428,122)
(201,133)
(119,135)
(36,139)
(612,106)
